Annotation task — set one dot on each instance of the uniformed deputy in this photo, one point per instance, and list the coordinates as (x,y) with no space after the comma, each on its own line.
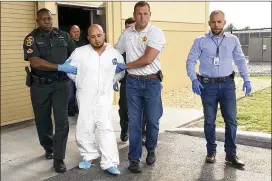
(216,51)
(72,106)
(47,48)
(143,44)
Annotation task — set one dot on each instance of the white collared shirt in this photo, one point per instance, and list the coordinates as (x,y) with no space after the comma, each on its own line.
(134,43)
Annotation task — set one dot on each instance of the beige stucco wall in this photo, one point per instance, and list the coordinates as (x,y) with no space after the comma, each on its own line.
(171,11)
(17,20)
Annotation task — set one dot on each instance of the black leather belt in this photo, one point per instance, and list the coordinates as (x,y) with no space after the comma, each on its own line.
(49,80)
(144,77)
(206,80)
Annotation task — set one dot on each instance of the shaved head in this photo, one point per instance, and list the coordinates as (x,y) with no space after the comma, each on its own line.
(95,27)
(96,36)
(217,12)
(217,22)
(75,32)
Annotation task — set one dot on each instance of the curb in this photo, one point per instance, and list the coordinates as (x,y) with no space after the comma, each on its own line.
(256,139)
(218,109)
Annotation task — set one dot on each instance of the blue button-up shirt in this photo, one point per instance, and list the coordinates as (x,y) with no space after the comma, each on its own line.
(204,50)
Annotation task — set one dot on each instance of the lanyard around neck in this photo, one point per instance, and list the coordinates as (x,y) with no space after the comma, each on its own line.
(217,46)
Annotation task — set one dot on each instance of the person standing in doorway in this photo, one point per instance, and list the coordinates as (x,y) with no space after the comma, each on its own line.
(143,43)
(216,51)
(72,106)
(47,48)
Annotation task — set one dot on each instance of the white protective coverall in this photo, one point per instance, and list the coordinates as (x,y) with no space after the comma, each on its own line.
(94,82)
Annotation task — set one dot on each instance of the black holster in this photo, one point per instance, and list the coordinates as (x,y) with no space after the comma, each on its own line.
(232,75)
(160,75)
(29,79)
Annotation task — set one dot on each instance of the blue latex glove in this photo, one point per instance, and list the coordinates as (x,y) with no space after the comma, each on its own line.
(196,85)
(115,87)
(247,86)
(66,67)
(120,67)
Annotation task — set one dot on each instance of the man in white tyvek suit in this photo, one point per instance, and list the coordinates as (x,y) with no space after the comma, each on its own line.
(96,65)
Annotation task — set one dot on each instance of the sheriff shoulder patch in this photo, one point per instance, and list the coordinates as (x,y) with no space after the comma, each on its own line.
(29,50)
(29,41)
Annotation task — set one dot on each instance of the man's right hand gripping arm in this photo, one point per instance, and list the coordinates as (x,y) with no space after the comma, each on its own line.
(190,67)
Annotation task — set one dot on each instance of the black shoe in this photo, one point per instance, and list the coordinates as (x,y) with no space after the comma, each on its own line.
(135,168)
(59,166)
(234,160)
(124,136)
(210,158)
(71,113)
(49,155)
(151,158)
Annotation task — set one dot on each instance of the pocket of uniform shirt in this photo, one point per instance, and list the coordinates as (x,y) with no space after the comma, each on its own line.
(62,48)
(62,44)
(43,50)
(129,41)
(41,45)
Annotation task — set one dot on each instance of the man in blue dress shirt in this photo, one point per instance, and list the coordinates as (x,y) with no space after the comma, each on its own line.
(215,84)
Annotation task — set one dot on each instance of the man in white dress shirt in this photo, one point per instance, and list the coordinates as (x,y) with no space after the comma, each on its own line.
(143,44)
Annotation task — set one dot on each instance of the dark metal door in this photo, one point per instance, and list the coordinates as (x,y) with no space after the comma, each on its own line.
(255,51)
(266,49)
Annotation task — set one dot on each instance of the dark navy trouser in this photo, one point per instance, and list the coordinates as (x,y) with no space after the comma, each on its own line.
(143,95)
(224,94)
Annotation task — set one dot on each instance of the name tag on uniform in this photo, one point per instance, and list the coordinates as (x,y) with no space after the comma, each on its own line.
(216,61)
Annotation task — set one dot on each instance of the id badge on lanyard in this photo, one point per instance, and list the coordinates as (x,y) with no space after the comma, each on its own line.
(216,59)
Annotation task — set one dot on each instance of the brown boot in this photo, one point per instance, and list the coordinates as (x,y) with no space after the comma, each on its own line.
(210,158)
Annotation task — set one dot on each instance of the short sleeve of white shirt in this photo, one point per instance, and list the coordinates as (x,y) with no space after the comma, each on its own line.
(156,39)
(120,45)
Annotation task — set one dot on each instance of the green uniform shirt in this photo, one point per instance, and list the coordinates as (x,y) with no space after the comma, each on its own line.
(54,47)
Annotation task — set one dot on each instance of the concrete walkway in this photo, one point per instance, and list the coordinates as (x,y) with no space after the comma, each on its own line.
(22,158)
(182,158)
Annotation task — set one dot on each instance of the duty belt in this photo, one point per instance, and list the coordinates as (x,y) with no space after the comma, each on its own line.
(48,80)
(206,80)
(144,77)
